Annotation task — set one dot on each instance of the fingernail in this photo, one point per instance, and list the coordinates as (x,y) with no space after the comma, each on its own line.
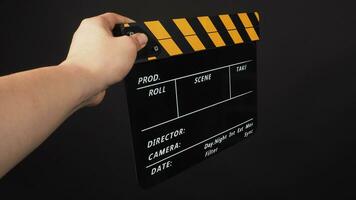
(142,39)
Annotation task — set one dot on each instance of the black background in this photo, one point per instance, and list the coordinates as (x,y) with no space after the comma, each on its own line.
(305,144)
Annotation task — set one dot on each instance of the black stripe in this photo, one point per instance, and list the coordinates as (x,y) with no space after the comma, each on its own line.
(201,33)
(258,32)
(177,36)
(253,19)
(163,53)
(222,30)
(238,23)
(240,28)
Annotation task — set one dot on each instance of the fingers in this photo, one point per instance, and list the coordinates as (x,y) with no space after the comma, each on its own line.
(108,20)
(112,19)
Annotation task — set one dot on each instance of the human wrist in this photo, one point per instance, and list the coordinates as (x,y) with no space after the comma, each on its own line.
(83,81)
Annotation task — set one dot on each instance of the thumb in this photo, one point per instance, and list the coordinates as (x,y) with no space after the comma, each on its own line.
(140,40)
(131,45)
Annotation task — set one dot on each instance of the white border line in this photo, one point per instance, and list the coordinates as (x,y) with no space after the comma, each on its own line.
(175,86)
(159,83)
(230,81)
(198,143)
(151,127)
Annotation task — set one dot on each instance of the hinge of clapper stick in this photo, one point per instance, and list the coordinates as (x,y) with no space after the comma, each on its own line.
(174,37)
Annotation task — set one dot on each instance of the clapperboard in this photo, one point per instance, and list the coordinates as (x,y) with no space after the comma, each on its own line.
(192,92)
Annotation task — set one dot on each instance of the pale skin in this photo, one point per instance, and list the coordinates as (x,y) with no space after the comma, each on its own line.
(34,103)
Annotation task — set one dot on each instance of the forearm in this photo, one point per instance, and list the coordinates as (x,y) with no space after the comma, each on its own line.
(42,99)
(34,103)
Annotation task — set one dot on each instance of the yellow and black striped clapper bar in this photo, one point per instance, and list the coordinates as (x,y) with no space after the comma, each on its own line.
(192,92)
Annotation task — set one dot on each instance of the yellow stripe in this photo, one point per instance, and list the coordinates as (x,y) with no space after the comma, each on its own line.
(152,58)
(170,46)
(230,26)
(245,20)
(157,29)
(217,40)
(252,33)
(226,20)
(257,16)
(236,37)
(207,24)
(184,26)
(194,41)
(211,30)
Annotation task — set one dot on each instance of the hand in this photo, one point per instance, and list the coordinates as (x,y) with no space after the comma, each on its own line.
(104,59)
